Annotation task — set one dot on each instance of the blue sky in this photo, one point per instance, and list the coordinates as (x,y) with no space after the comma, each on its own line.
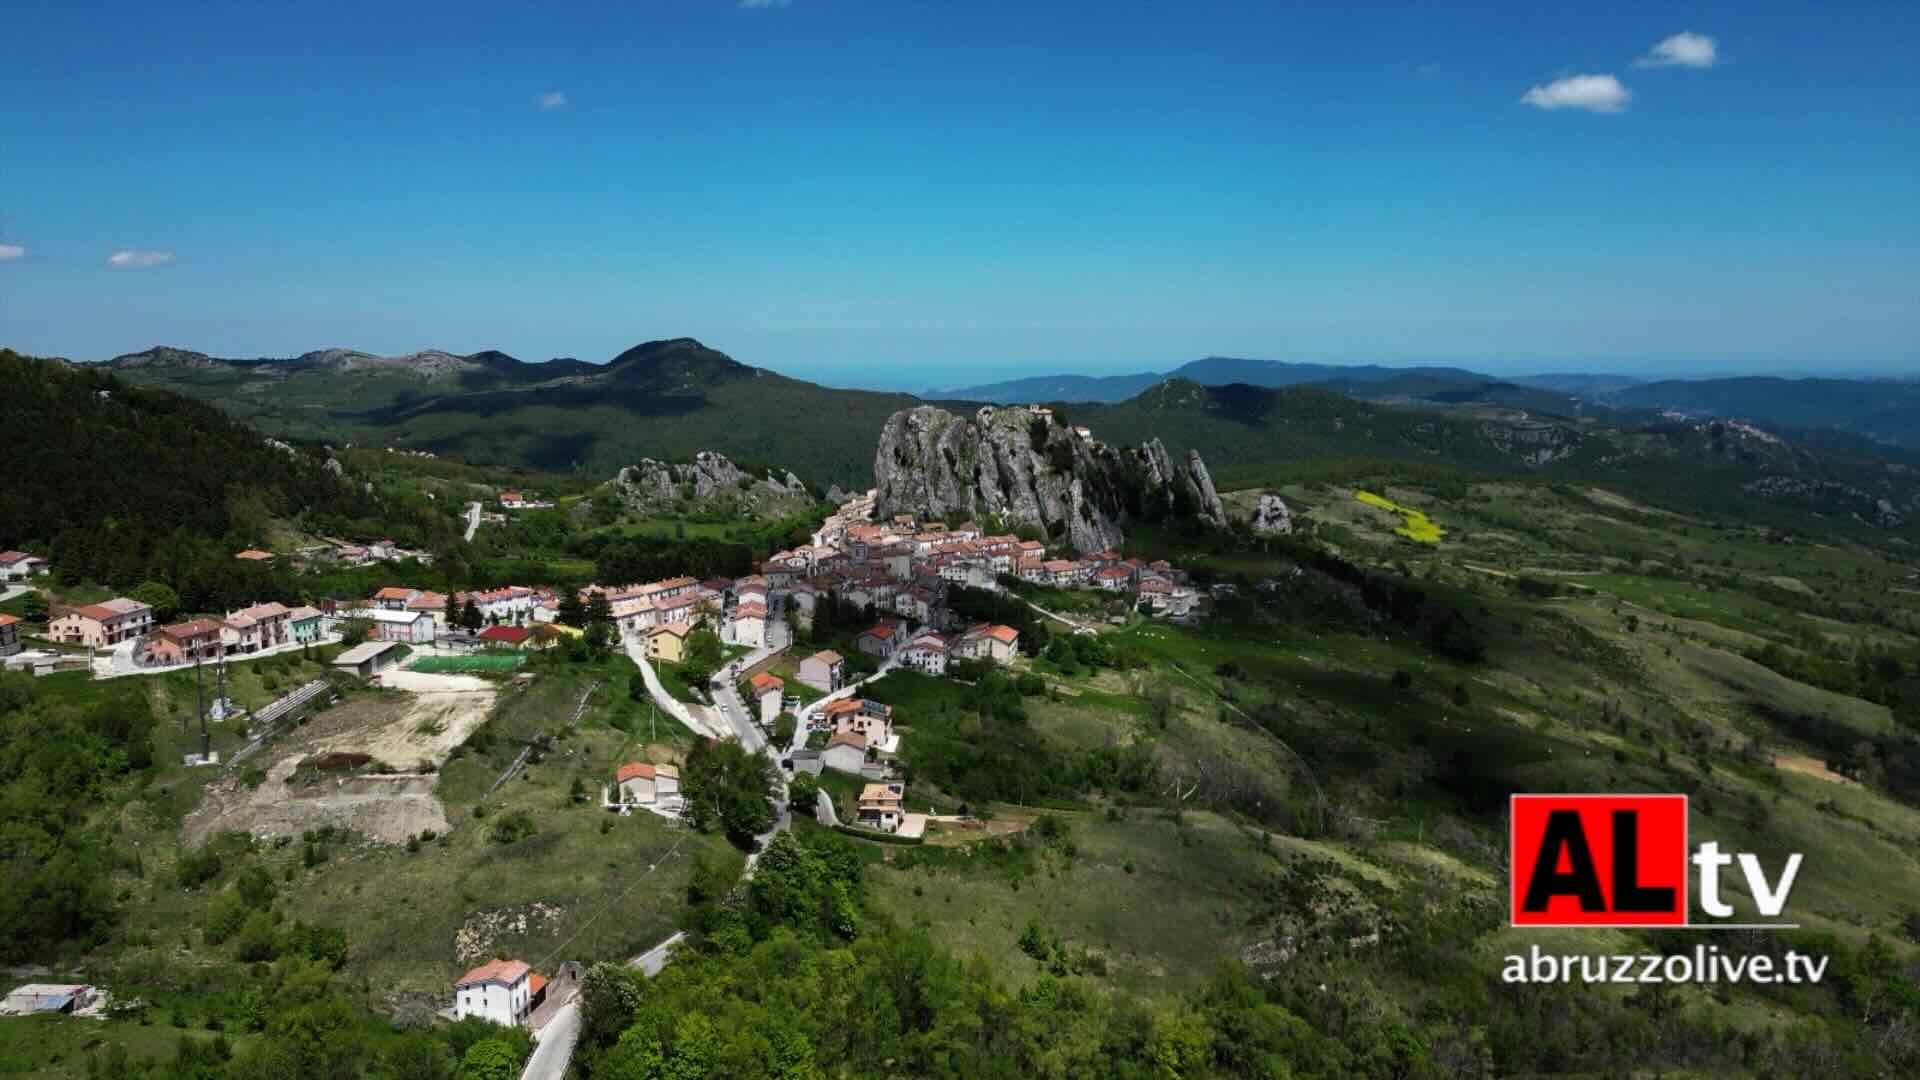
(915,194)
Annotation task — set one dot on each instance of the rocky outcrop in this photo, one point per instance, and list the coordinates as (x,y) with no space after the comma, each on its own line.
(1271,516)
(710,482)
(1022,466)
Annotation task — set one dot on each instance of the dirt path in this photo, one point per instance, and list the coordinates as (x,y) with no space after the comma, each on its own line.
(1807,766)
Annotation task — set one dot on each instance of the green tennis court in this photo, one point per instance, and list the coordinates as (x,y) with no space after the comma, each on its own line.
(478,662)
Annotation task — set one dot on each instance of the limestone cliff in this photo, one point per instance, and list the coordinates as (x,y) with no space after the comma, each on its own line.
(710,482)
(1023,466)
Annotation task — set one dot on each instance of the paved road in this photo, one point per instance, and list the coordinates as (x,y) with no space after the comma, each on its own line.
(555,1048)
(669,704)
(653,960)
(1078,627)
(8,592)
(473,520)
(847,691)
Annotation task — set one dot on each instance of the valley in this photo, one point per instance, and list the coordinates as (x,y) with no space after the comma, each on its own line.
(1278,787)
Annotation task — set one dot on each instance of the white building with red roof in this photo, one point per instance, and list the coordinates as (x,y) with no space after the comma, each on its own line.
(768,692)
(927,652)
(19,566)
(502,991)
(101,625)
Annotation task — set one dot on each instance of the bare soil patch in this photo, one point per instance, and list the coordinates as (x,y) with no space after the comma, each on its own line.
(414,731)
(1807,766)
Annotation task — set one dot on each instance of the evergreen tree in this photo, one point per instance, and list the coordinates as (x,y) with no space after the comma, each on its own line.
(572,612)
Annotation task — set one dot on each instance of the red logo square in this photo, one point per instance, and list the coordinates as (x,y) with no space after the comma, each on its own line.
(1598,860)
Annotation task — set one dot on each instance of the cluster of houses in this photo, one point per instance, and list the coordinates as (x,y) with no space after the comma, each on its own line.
(903,566)
(345,553)
(523,500)
(252,629)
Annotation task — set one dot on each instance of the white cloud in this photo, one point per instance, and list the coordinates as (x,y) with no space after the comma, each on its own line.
(1594,93)
(1686,49)
(138,257)
(763,4)
(552,99)
(9,252)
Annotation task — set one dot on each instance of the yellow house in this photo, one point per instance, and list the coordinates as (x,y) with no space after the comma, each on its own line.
(668,642)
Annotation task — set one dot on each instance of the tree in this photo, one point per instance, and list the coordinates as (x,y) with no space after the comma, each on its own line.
(599,609)
(572,612)
(609,996)
(34,605)
(727,787)
(159,596)
(702,656)
(803,791)
(489,1059)
(353,632)
(470,618)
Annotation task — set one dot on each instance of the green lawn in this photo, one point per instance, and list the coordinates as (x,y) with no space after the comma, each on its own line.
(48,1047)
(481,662)
(1164,904)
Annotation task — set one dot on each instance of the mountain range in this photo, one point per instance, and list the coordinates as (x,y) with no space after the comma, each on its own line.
(674,398)
(1883,410)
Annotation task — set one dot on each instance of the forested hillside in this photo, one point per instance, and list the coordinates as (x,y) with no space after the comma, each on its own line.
(122,484)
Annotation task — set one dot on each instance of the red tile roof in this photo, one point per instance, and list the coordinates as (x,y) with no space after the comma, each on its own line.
(763,682)
(511,635)
(633,770)
(395,592)
(827,656)
(191,629)
(845,738)
(504,972)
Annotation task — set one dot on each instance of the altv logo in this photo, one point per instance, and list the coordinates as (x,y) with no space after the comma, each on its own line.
(1622,860)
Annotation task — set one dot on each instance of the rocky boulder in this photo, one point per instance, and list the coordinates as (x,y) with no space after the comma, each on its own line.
(1271,516)
(710,482)
(1024,467)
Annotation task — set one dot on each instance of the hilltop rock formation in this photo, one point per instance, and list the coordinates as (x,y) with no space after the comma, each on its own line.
(1023,466)
(710,482)
(1271,516)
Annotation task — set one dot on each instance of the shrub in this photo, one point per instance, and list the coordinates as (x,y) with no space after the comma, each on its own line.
(513,828)
(196,868)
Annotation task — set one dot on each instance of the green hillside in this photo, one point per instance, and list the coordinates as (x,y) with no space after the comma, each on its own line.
(121,483)
(673,398)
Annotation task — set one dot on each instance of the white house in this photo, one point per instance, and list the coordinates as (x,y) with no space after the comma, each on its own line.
(19,566)
(666,783)
(926,653)
(749,625)
(768,690)
(413,627)
(823,670)
(882,806)
(845,753)
(503,991)
(635,781)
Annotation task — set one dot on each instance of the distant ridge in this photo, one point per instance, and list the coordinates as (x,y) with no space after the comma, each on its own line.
(1209,371)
